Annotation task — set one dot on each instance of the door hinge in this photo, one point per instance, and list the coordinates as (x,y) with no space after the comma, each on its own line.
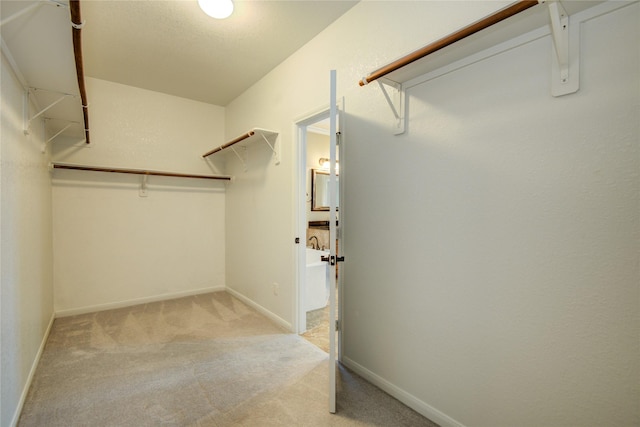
(337,325)
(297,240)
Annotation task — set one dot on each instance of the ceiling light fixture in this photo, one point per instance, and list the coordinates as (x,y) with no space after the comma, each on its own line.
(218,9)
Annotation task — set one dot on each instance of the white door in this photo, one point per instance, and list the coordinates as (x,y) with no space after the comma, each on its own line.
(333,193)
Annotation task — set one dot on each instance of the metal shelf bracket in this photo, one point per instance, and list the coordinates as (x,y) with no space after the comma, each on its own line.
(396,103)
(276,153)
(28,118)
(69,124)
(243,159)
(566,48)
(142,192)
(249,137)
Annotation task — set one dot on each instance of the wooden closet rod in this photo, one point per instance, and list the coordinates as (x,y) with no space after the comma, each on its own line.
(230,143)
(137,171)
(486,22)
(76,25)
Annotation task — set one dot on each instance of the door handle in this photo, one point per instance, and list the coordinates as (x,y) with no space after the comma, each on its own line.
(332,259)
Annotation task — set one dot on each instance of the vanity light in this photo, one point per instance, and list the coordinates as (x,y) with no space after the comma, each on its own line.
(218,9)
(326,163)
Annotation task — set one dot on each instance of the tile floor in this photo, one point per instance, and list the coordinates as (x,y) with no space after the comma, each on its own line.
(318,328)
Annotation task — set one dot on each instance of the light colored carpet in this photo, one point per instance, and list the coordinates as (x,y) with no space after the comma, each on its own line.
(206,360)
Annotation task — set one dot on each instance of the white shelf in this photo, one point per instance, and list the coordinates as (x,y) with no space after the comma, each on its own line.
(513,27)
(560,20)
(256,134)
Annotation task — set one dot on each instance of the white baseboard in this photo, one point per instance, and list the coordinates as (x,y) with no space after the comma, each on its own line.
(408,399)
(32,372)
(280,321)
(136,301)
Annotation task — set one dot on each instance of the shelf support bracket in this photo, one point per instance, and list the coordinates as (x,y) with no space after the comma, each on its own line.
(82,142)
(26,99)
(44,145)
(242,160)
(396,103)
(28,118)
(276,158)
(69,124)
(566,48)
(143,186)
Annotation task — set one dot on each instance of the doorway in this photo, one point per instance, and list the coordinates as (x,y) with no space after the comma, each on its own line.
(314,323)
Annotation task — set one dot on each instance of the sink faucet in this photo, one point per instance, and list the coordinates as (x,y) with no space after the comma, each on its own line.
(317,245)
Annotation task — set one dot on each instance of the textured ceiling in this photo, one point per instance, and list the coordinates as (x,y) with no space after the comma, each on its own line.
(173,47)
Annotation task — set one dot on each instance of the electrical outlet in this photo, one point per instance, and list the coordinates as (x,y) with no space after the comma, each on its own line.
(276,288)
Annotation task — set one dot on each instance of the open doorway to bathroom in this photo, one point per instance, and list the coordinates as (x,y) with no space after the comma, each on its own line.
(313,279)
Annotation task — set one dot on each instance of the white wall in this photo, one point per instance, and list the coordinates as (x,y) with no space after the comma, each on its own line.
(26,292)
(260,204)
(113,247)
(491,274)
(516,220)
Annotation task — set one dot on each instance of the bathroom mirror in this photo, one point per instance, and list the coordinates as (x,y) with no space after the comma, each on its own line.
(320,190)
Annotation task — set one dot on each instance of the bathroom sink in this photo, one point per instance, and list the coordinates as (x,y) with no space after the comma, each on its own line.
(314,255)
